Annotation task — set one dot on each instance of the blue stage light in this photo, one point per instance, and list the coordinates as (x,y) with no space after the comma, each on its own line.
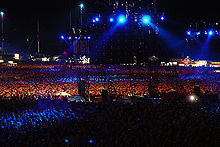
(198,33)
(70,38)
(85,38)
(135,20)
(89,37)
(97,19)
(146,19)
(121,19)
(211,33)
(188,32)
(162,18)
(90,141)
(111,19)
(62,37)
(93,20)
(76,37)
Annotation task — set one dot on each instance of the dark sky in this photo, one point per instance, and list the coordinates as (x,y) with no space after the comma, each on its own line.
(21,17)
(190,10)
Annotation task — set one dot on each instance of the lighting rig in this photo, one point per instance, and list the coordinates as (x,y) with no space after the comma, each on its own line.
(203,29)
(143,21)
(129,25)
(143,13)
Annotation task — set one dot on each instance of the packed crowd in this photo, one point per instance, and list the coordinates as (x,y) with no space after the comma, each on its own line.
(31,114)
(54,123)
(121,81)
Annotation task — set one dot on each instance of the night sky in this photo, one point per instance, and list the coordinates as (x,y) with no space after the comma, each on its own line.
(21,17)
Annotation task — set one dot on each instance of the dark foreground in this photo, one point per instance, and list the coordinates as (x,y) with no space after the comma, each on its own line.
(58,123)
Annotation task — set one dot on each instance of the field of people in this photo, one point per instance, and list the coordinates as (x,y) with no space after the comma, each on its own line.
(31,113)
(121,81)
(56,123)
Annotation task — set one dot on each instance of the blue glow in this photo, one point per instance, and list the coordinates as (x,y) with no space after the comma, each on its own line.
(198,33)
(206,45)
(70,38)
(135,20)
(146,19)
(211,32)
(62,37)
(66,140)
(2,13)
(93,20)
(97,19)
(162,18)
(81,5)
(104,38)
(188,32)
(85,38)
(36,117)
(111,19)
(121,19)
(89,37)
(90,141)
(76,37)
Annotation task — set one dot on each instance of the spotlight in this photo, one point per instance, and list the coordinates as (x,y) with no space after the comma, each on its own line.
(97,19)
(111,19)
(146,19)
(89,37)
(85,38)
(90,141)
(93,20)
(76,37)
(62,37)
(193,98)
(211,33)
(121,19)
(198,33)
(162,18)
(135,20)
(188,32)
(70,38)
